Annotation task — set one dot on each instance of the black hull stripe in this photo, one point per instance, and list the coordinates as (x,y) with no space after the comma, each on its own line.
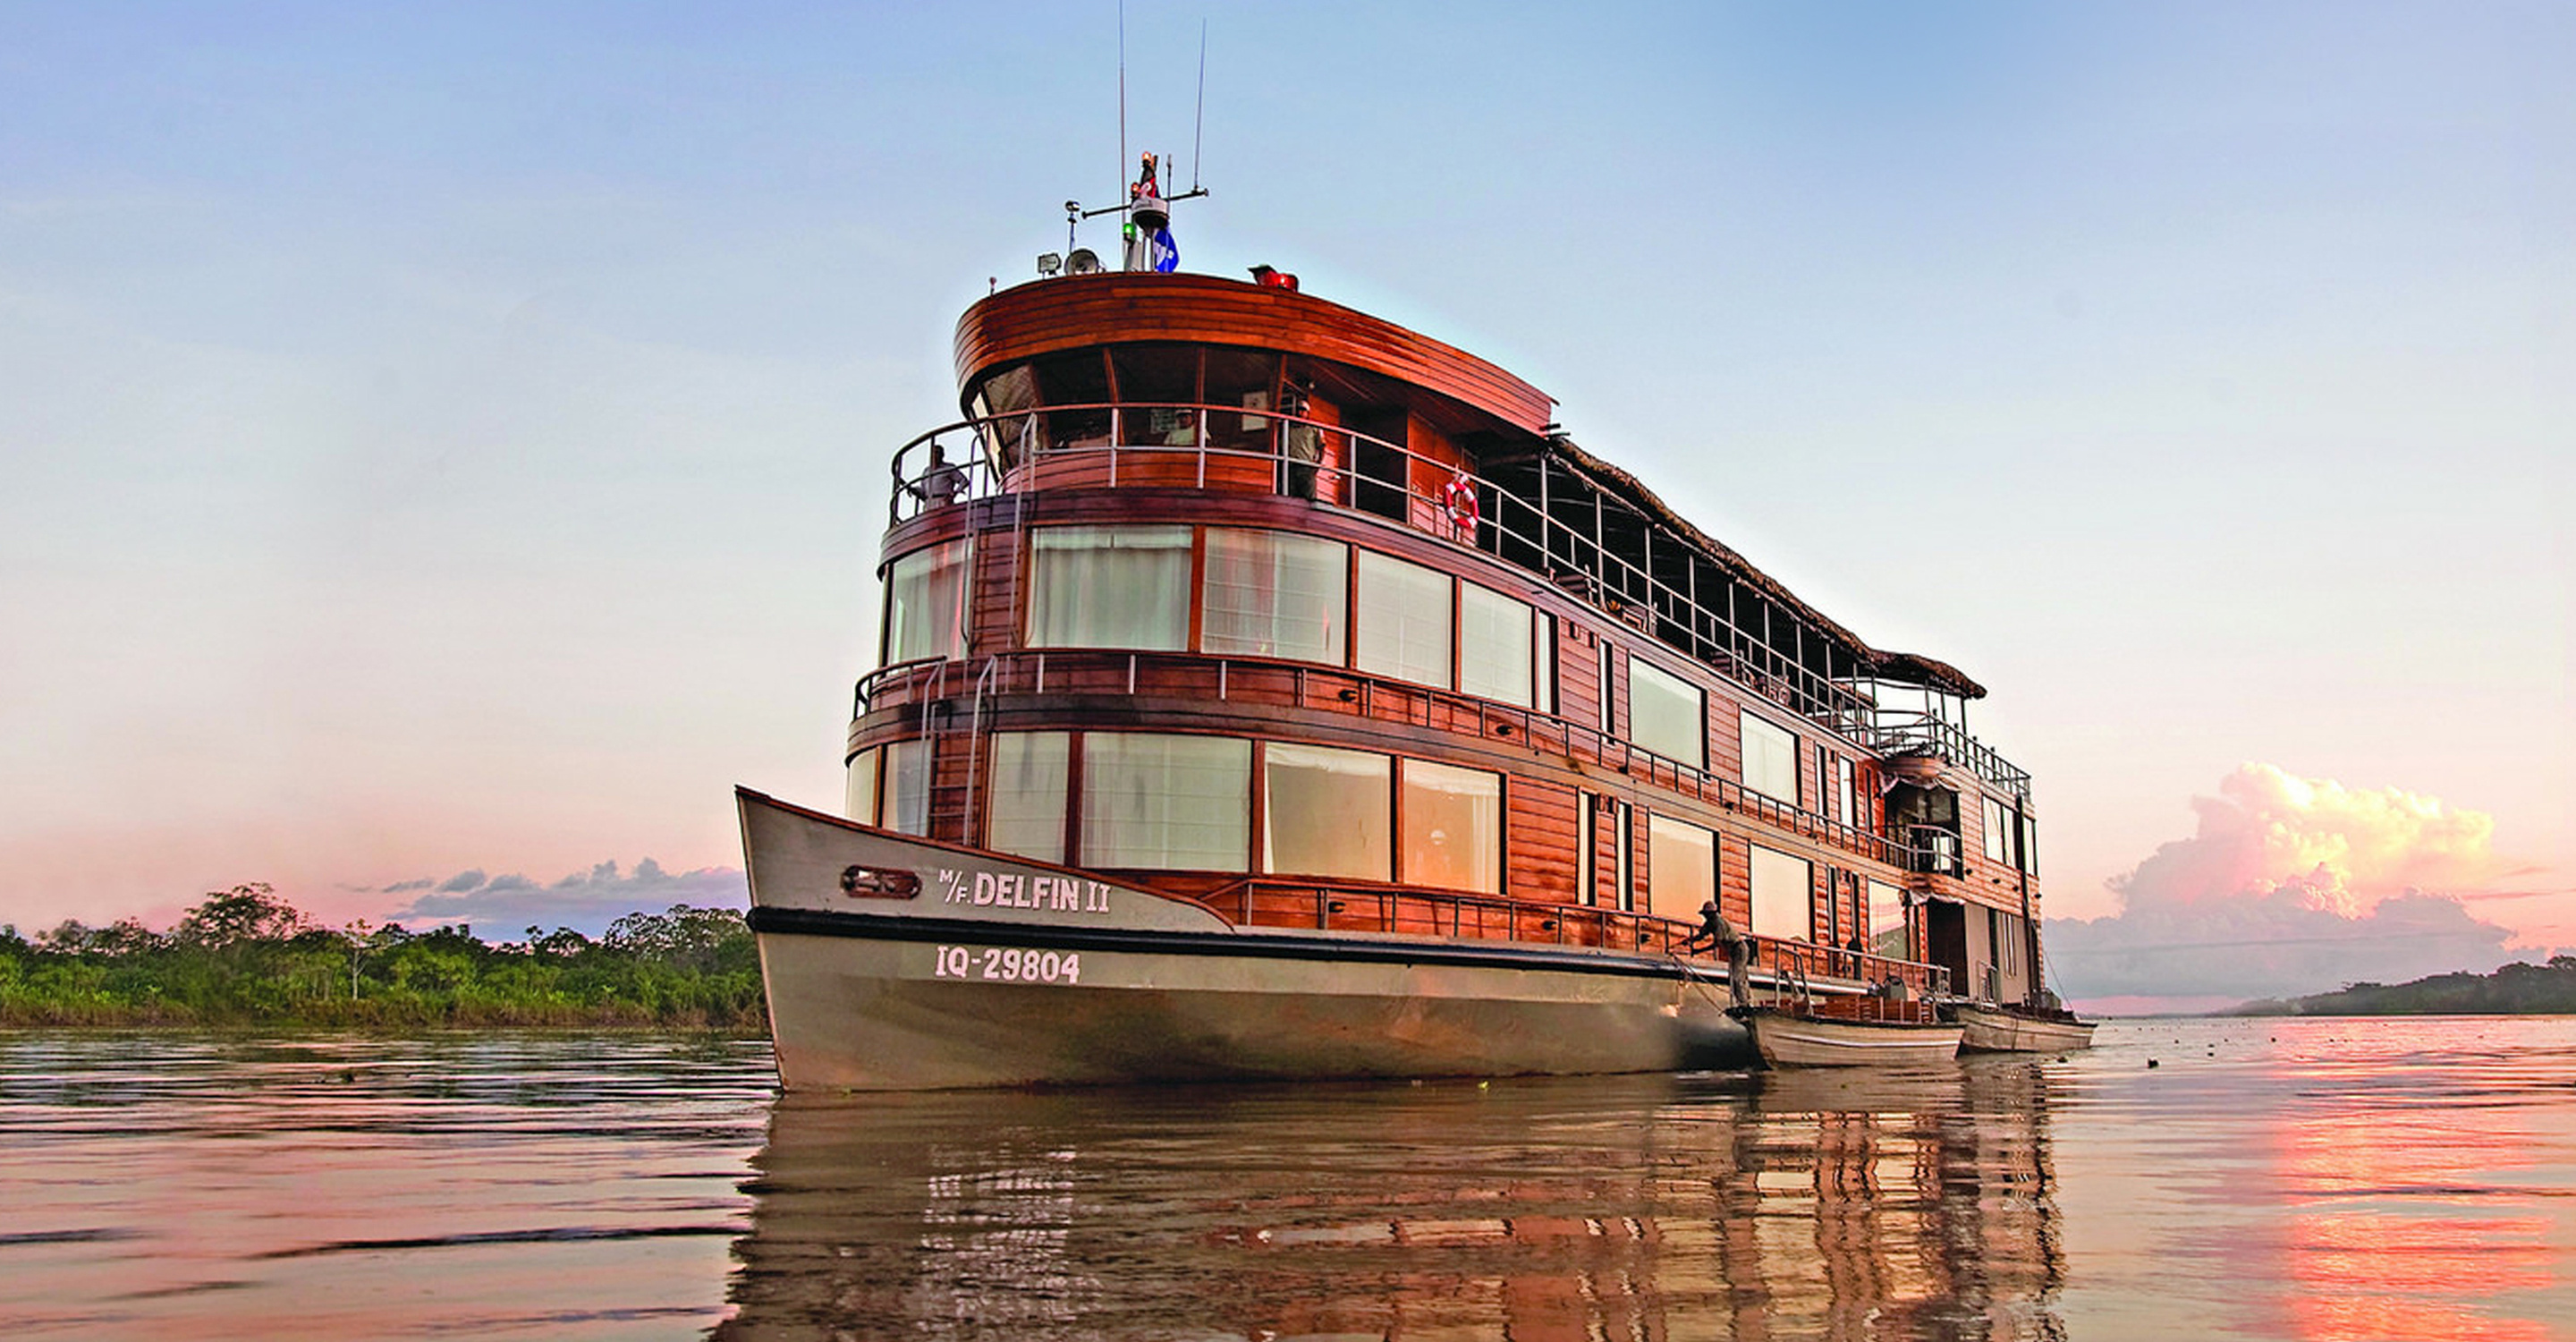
(1247,945)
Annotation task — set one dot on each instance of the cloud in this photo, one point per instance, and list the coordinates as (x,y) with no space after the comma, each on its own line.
(587,901)
(2293,885)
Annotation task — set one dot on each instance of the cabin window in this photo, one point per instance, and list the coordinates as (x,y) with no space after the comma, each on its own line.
(1770,758)
(1453,827)
(1667,714)
(906,788)
(925,604)
(1404,620)
(1497,646)
(1847,794)
(1275,594)
(1998,832)
(860,798)
(1245,378)
(1024,806)
(1110,587)
(1681,867)
(1327,812)
(2029,844)
(1078,378)
(1167,802)
(1587,862)
(1001,401)
(1158,388)
(1543,692)
(1783,895)
(1887,921)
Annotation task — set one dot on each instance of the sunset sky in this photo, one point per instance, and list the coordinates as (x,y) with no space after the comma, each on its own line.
(443,448)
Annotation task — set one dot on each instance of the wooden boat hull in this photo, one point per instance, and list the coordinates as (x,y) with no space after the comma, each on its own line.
(999,972)
(1785,1039)
(1990,1031)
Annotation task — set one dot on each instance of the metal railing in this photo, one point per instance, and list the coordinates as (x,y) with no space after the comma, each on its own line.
(1173,444)
(1922,733)
(1261,901)
(1207,677)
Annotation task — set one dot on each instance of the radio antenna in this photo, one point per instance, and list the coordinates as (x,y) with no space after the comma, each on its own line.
(1198,146)
(1122,97)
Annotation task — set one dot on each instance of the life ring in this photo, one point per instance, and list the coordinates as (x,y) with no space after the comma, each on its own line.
(1458,499)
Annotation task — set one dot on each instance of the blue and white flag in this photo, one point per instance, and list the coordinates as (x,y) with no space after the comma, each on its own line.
(1163,252)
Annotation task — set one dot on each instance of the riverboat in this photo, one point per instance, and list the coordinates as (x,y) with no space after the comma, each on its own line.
(1267,689)
(1993,1028)
(1850,1032)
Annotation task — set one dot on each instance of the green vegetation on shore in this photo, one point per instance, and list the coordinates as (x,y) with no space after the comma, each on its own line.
(2516,990)
(247,957)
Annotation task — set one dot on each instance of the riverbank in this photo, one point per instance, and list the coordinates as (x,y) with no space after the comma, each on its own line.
(246,958)
(2515,990)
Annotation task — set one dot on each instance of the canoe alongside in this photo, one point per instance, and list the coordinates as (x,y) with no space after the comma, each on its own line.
(1992,1029)
(1787,1037)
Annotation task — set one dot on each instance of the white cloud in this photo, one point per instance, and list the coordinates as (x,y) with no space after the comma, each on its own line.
(2292,885)
(502,906)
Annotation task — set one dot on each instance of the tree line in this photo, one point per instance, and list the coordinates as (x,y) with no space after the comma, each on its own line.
(2518,989)
(245,956)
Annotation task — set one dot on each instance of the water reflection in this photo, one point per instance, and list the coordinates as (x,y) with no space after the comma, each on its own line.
(1809,1205)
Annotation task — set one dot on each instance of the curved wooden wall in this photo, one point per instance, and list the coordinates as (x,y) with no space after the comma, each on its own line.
(1077,311)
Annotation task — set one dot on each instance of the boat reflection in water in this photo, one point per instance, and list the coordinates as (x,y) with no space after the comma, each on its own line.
(1849,1204)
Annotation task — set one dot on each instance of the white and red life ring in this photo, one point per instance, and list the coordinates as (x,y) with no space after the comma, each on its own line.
(1458,499)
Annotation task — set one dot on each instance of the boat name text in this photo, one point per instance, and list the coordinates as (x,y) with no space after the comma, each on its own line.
(1021,890)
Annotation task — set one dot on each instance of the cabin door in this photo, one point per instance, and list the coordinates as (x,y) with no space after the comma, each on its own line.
(1945,935)
(1378,469)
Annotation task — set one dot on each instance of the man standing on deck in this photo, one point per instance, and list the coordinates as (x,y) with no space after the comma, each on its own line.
(1720,935)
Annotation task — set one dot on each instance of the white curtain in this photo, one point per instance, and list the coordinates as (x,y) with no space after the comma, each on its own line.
(1111,587)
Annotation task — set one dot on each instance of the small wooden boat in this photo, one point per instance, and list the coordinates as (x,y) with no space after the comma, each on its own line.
(1849,1032)
(1987,1028)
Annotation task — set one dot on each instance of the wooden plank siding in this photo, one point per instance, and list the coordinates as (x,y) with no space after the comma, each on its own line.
(1081,311)
(1267,700)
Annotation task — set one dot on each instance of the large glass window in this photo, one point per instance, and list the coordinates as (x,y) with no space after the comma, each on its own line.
(1497,646)
(1681,867)
(860,800)
(1887,921)
(1998,832)
(925,606)
(1275,594)
(1846,795)
(905,786)
(1172,802)
(1404,620)
(1326,812)
(1783,895)
(1110,587)
(1667,714)
(1770,758)
(1024,806)
(2029,845)
(1453,827)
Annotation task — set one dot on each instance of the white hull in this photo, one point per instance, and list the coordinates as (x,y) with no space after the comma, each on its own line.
(1990,1031)
(1000,972)
(1804,1041)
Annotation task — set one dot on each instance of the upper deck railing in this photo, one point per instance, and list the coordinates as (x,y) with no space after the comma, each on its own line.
(1169,444)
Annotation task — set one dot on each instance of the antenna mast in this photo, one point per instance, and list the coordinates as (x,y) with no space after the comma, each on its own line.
(1198,145)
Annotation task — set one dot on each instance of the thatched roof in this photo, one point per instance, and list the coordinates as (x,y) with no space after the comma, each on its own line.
(1911,668)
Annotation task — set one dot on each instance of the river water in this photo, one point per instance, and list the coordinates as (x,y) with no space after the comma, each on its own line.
(2410,1179)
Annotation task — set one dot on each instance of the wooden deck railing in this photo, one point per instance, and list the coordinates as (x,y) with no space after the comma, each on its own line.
(1270,684)
(1171,445)
(1261,901)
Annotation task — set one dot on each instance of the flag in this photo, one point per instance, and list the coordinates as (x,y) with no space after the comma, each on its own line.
(1165,253)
